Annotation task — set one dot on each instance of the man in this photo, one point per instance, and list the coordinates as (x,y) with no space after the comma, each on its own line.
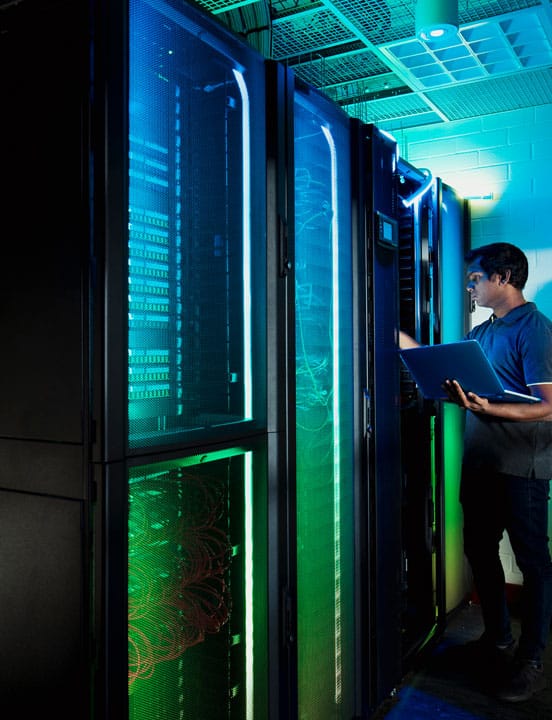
(507,465)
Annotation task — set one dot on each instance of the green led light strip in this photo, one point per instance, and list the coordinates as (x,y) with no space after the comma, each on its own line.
(335,413)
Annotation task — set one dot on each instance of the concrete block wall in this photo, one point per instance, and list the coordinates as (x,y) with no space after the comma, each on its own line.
(507,155)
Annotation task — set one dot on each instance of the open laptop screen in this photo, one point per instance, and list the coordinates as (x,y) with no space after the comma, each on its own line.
(464,361)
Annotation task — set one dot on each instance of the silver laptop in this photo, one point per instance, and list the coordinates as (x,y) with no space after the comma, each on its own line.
(464,361)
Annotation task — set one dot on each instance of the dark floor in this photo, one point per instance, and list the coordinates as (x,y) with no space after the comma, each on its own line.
(442,688)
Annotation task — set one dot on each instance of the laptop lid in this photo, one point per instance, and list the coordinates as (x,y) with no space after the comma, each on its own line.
(464,361)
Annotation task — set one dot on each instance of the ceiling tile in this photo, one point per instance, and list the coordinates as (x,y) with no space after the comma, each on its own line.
(365,56)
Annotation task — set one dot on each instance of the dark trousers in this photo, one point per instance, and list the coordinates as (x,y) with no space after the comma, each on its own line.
(493,503)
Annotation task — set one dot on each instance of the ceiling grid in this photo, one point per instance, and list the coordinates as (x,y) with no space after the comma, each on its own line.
(364,55)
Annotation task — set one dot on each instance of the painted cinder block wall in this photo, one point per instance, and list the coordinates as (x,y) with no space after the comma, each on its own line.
(508,156)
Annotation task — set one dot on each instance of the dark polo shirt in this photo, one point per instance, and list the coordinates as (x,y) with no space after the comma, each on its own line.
(519,346)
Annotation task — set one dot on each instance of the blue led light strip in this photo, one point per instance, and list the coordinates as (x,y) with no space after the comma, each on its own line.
(246,210)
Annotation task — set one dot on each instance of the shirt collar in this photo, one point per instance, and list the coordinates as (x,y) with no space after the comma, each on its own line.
(515,314)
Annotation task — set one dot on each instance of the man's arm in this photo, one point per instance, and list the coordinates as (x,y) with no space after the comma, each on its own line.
(405,341)
(508,411)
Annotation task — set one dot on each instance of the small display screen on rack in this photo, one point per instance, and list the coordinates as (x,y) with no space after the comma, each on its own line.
(387,231)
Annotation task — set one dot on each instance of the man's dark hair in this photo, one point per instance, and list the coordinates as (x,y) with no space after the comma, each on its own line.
(500,257)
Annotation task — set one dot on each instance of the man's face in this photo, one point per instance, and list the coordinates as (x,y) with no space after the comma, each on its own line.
(479,285)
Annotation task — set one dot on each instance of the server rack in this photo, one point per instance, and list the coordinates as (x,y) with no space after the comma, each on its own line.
(195,461)
(382,538)
(434,232)
(423,531)
(342,548)
(326,408)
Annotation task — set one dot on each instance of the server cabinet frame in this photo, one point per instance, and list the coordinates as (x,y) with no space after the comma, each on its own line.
(363,519)
(114,456)
(327,411)
(281,401)
(383,534)
(424,615)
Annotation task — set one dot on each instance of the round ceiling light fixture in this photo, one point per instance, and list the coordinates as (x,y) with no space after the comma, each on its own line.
(436,20)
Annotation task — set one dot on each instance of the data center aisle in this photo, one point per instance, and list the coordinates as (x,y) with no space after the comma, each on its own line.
(441,688)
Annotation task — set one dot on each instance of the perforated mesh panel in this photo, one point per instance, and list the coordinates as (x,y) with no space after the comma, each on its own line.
(391,109)
(308,32)
(281,8)
(218,6)
(471,11)
(378,21)
(333,70)
(495,95)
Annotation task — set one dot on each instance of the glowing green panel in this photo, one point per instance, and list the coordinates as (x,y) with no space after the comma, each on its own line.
(453,427)
(192,636)
(324,418)
(452,322)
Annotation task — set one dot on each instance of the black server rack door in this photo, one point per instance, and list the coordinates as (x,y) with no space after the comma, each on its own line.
(197,587)
(196,244)
(43,221)
(421,528)
(44,606)
(325,471)
(43,663)
(384,440)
